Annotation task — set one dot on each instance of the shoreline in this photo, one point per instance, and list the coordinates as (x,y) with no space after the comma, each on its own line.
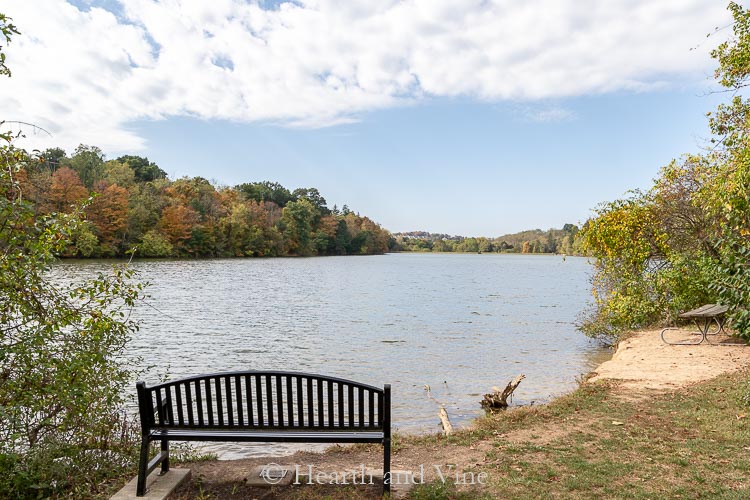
(644,376)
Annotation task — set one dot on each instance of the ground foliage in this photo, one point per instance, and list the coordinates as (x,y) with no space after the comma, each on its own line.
(685,241)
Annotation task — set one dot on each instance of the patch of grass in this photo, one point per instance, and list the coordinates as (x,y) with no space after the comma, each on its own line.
(185,453)
(439,490)
(691,443)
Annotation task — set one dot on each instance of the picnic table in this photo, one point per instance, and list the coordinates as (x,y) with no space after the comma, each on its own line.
(703,317)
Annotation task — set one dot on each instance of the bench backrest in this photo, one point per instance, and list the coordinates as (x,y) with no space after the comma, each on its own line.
(264,400)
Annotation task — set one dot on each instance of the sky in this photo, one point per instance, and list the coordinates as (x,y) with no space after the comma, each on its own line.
(470,117)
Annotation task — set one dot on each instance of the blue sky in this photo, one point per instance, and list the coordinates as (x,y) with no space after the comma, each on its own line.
(466,126)
(454,166)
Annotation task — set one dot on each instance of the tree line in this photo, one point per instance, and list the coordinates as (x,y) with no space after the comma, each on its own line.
(130,203)
(560,241)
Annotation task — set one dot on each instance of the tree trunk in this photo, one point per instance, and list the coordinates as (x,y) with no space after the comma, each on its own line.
(498,399)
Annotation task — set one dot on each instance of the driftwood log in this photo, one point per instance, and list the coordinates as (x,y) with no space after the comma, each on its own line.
(442,413)
(498,399)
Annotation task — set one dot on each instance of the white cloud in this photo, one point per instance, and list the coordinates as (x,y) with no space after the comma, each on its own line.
(87,75)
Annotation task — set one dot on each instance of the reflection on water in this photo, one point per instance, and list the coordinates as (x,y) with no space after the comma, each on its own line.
(458,323)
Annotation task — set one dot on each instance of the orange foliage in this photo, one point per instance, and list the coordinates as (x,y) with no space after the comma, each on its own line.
(177,222)
(109,213)
(66,189)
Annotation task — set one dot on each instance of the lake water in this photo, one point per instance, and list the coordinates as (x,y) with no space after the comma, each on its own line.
(459,323)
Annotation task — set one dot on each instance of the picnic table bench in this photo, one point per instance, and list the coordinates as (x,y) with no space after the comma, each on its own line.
(703,317)
(261,406)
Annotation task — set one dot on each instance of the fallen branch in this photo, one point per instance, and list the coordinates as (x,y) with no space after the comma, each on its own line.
(442,413)
(445,421)
(498,399)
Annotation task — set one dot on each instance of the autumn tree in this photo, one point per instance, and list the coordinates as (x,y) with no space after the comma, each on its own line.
(109,214)
(686,241)
(189,216)
(176,223)
(66,189)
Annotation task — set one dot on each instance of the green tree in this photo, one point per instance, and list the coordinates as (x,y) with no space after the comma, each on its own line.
(53,158)
(120,174)
(61,360)
(155,244)
(726,196)
(297,223)
(88,161)
(313,196)
(266,191)
(143,169)
(687,240)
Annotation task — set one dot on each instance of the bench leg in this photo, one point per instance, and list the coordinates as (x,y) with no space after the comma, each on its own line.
(387,466)
(165,454)
(142,468)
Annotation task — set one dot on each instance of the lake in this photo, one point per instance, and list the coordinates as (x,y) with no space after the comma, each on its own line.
(460,323)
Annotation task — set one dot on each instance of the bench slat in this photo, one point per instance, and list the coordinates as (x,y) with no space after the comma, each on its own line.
(259,399)
(300,403)
(341,404)
(170,407)
(310,403)
(269,400)
(319,399)
(230,397)
(279,400)
(209,402)
(180,411)
(330,403)
(238,398)
(159,407)
(289,402)
(199,402)
(350,401)
(219,405)
(189,399)
(249,400)
(361,403)
(371,408)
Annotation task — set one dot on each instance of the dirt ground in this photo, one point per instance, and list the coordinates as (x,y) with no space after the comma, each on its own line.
(644,362)
(642,365)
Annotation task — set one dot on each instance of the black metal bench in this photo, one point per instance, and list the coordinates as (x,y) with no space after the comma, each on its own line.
(256,406)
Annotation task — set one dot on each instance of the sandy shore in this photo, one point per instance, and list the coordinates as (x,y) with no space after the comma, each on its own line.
(644,361)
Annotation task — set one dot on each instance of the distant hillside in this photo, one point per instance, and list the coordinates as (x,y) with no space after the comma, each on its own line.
(560,241)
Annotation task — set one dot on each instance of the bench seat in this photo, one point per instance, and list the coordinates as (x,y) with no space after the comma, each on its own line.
(288,436)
